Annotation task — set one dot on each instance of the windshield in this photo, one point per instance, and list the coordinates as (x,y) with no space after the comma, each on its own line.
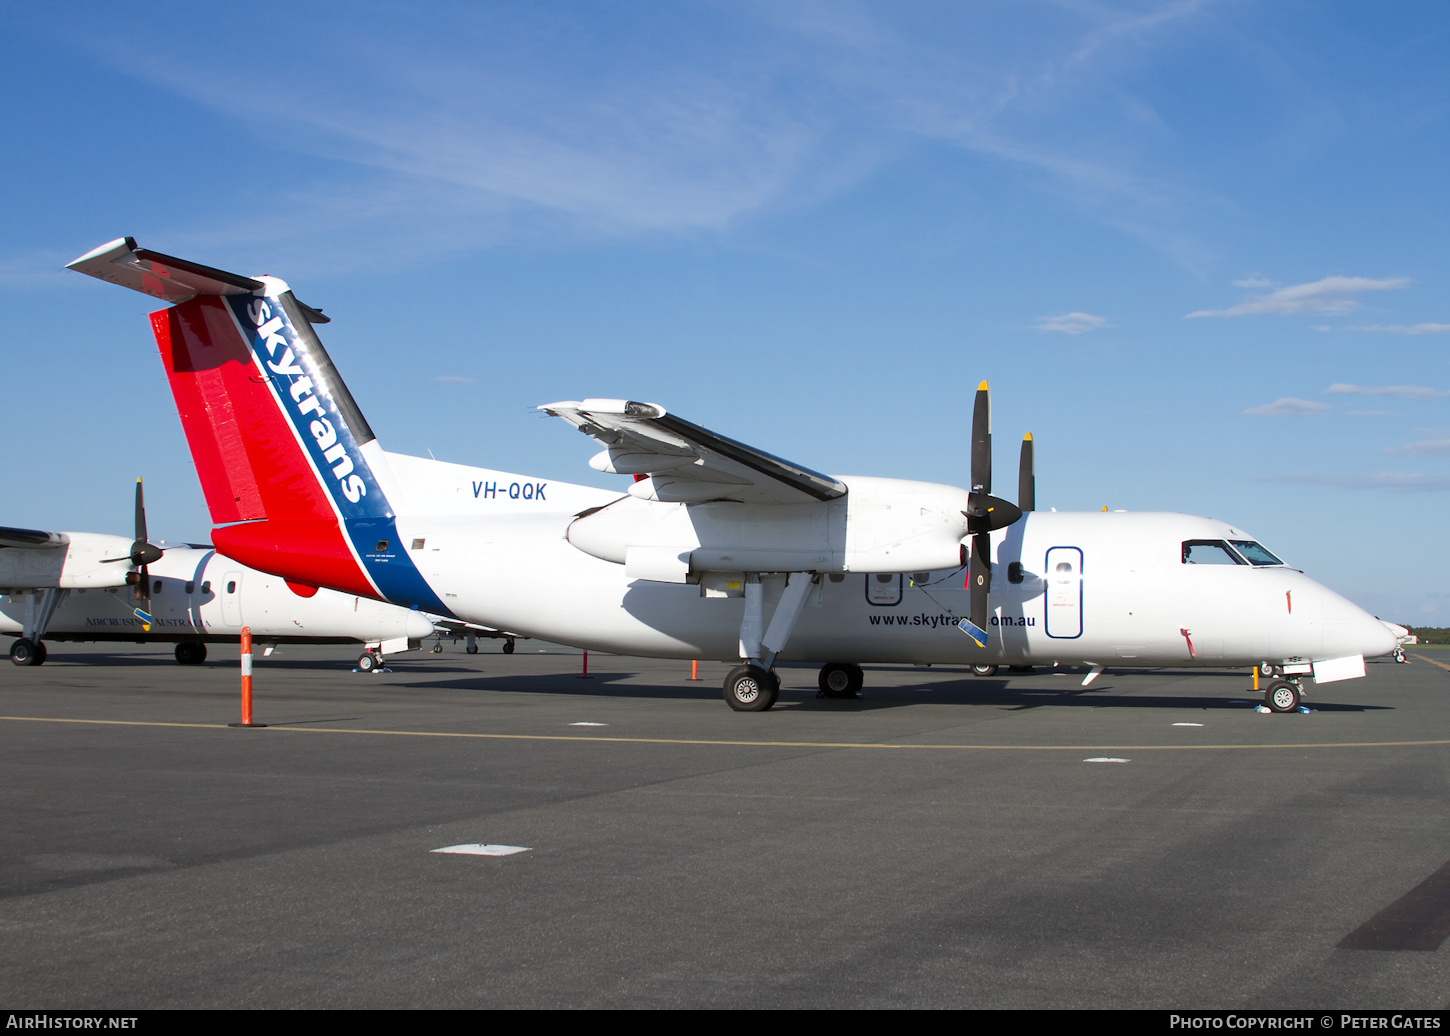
(1255,553)
(1208,552)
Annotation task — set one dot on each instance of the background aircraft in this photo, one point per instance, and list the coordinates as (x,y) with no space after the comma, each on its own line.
(80,586)
(718,549)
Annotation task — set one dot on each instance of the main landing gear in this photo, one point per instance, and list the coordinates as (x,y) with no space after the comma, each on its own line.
(40,605)
(27,652)
(840,680)
(191,652)
(749,688)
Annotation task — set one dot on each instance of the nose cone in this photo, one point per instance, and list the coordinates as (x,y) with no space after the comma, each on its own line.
(418,626)
(1350,630)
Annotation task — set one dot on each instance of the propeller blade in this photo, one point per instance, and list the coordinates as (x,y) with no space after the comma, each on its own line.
(982,441)
(1027,477)
(140,513)
(143,552)
(980,577)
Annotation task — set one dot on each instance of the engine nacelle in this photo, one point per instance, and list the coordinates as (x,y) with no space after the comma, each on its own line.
(880,525)
(72,561)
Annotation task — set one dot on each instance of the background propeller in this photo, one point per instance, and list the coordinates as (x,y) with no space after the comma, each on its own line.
(986,512)
(143,552)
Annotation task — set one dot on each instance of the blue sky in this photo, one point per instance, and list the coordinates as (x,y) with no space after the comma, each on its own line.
(1197,248)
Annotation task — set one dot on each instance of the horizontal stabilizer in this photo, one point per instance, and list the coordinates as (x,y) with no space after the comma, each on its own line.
(686,462)
(161,276)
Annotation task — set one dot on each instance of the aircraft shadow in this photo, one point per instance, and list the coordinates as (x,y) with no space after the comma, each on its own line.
(972,691)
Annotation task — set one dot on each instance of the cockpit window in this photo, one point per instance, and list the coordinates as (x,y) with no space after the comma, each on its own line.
(1209,552)
(1255,553)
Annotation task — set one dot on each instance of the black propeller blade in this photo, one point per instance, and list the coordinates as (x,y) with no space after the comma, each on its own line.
(1026,477)
(986,512)
(143,552)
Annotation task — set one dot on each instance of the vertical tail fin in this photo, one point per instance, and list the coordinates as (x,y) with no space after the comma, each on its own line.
(289,466)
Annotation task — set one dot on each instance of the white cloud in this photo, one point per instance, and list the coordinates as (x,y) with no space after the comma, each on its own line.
(1406,329)
(1327,295)
(1253,282)
(1423,448)
(1288,407)
(1401,391)
(1071,323)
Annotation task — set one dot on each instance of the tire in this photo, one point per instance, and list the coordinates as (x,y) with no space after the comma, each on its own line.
(367,662)
(438,648)
(840,679)
(508,647)
(750,688)
(189,652)
(1266,669)
(1282,696)
(40,653)
(984,670)
(472,649)
(23,652)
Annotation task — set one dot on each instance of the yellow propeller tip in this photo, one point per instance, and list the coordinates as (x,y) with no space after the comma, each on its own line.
(1027,437)
(1104,508)
(982,387)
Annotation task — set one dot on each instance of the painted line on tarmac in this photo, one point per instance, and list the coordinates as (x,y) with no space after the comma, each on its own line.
(727,744)
(1427,658)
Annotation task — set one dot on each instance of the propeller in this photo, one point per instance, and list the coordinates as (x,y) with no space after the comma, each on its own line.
(986,512)
(143,552)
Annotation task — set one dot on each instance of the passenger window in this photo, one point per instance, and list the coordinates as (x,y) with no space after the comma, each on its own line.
(156,587)
(1209,552)
(231,586)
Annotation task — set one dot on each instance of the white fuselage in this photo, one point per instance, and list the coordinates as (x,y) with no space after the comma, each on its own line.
(199,595)
(497,556)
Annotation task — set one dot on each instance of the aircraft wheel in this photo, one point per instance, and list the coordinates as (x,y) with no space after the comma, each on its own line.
(189,652)
(40,653)
(750,688)
(1266,669)
(472,649)
(367,661)
(1282,696)
(438,648)
(985,670)
(508,646)
(840,679)
(23,652)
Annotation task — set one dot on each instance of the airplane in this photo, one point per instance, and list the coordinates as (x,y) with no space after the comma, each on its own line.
(78,586)
(717,549)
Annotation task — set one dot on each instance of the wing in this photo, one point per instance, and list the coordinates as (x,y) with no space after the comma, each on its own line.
(687,463)
(31,539)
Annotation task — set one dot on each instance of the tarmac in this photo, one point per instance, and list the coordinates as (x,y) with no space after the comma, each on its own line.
(945,840)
